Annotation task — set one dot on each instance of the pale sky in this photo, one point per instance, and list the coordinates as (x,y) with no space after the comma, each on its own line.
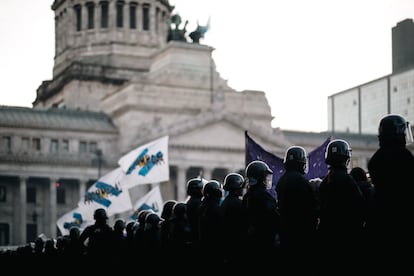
(297,51)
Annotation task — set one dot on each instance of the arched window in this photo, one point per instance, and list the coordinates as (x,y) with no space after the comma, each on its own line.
(145,17)
(104,14)
(120,14)
(133,15)
(91,14)
(78,15)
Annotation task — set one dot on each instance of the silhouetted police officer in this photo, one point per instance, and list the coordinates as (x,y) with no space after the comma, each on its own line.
(99,235)
(209,218)
(341,204)
(391,169)
(234,219)
(297,206)
(262,215)
(195,195)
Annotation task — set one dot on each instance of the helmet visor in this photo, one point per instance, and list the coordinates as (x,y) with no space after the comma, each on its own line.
(408,134)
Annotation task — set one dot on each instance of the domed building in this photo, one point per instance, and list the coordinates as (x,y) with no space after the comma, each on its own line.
(120,80)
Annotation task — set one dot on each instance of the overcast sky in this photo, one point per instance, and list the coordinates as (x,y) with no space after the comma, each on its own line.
(297,52)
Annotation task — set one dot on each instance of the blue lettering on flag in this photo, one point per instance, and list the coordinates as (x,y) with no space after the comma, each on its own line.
(144,206)
(137,161)
(76,222)
(98,198)
(149,163)
(101,194)
(109,189)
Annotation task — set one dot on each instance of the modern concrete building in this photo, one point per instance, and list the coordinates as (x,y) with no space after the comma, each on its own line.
(359,109)
(118,84)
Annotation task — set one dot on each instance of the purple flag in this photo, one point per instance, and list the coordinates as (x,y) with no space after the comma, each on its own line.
(255,152)
(316,161)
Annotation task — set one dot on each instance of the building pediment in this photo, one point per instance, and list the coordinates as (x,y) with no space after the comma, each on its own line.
(214,129)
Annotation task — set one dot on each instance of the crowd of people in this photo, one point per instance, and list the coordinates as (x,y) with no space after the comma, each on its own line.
(346,218)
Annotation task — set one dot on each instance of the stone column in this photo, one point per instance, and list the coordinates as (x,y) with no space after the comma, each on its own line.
(52,207)
(112,15)
(21,238)
(126,16)
(139,16)
(207,173)
(84,16)
(97,17)
(181,183)
(82,187)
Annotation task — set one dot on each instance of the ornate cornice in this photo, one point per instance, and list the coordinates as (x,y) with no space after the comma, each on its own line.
(50,159)
(80,71)
(205,148)
(153,130)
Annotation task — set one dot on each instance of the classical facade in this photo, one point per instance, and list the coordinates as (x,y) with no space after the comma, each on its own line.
(118,83)
(359,109)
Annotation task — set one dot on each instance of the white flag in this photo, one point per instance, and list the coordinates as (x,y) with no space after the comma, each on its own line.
(74,218)
(150,201)
(146,164)
(106,193)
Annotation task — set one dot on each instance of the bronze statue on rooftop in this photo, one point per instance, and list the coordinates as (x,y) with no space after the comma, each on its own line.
(199,32)
(175,33)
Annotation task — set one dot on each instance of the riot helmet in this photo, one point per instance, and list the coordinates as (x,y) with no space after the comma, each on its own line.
(167,208)
(295,158)
(142,215)
(338,152)
(212,189)
(100,214)
(130,227)
(233,181)
(394,127)
(258,172)
(195,187)
(74,232)
(152,220)
(119,225)
(180,209)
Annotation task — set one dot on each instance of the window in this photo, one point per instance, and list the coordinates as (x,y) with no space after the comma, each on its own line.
(408,100)
(133,15)
(78,14)
(93,146)
(104,14)
(6,144)
(31,232)
(82,147)
(60,195)
(120,14)
(3,193)
(4,234)
(31,195)
(91,14)
(145,17)
(65,146)
(219,174)
(54,146)
(36,144)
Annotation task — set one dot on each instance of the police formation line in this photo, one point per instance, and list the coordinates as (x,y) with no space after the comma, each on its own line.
(343,214)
